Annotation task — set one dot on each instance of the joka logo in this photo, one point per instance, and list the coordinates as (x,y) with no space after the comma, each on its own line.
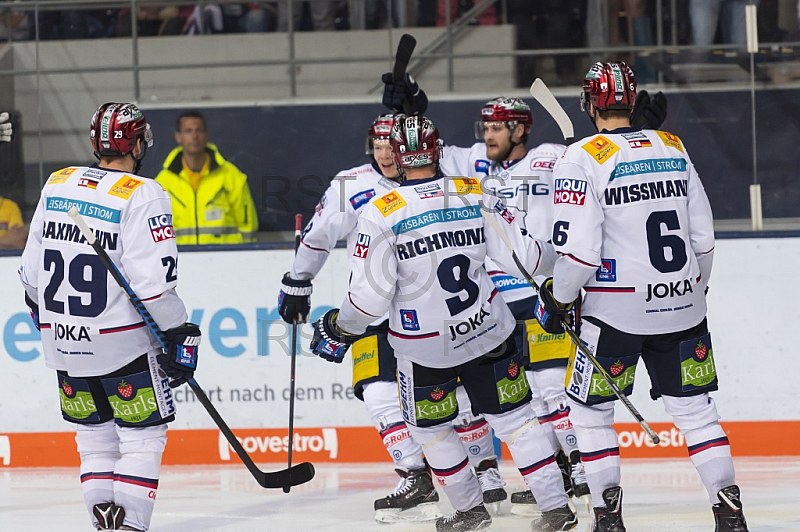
(161,227)
(409,320)
(362,246)
(571,191)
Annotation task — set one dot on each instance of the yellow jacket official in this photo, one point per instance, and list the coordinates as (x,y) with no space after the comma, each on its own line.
(220,211)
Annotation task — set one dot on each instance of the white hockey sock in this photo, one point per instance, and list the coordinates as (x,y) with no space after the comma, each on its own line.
(598,445)
(533,454)
(698,420)
(450,465)
(539,408)
(383,406)
(137,472)
(474,431)
(558,420)
(98,446)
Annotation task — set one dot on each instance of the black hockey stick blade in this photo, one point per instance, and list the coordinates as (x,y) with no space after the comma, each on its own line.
(404,50)
(299,474)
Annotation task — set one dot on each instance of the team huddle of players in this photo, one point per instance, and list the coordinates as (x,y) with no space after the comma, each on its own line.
(465,343)
(616,230)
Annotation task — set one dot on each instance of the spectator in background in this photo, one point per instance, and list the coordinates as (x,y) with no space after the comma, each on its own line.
(323,15)
(13,233)
(211,202)
(152,21)
(706,15)
(6,129)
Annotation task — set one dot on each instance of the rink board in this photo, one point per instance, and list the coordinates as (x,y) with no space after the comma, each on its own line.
(244,365)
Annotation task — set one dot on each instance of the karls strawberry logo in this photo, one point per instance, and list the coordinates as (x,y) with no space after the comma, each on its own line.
(513,370)
(616,368)
(125,389)
(67,388)
(437,394)
(700,350)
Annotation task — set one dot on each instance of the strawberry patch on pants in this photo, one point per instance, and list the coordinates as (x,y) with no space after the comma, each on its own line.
(698,371)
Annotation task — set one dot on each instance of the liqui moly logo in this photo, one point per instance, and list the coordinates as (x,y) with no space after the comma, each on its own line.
(161,227)
(571,191)
(362,246)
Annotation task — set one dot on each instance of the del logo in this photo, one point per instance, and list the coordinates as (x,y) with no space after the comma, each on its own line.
(362,246)
(571,191)
(362,198)
(408,319)
(539,163)
(504,212)
(161,227)
(607,272)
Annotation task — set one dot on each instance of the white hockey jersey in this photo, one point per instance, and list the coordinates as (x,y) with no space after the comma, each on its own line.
(89,328)
(419,254)
(336,217)
(633,227)
(526,187)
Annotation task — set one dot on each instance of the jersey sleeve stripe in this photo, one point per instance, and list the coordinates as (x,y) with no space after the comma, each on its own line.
(416,337)
(608,289)
(123,328)
(362,311)
(579,261)
(313,248)
(151,298)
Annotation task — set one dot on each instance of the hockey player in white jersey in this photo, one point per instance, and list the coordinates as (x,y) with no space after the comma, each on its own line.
(114,381)
(374,364)
(419,254)
(634,229)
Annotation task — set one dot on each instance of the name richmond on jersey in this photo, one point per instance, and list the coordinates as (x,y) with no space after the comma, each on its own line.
(441,240)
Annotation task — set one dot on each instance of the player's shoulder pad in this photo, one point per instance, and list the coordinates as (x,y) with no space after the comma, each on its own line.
(389,203)
(354,173)
(670,140)
(62,175)
(600,147)
(548,149)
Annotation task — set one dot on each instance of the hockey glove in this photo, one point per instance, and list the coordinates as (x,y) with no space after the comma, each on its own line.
(329,341)
(180,360)
(5,128)
(649,113)
(550,314)
(407,89)
(294,301)
(34,311)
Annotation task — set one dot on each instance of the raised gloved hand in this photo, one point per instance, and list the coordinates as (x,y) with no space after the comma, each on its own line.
(180,360)
(329,341)
(649,113)
(550,314)
(407,89)
(294,301)
(34,311)
(6,130)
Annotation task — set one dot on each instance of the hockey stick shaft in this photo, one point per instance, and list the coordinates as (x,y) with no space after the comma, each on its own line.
(302,473)
(542,94)
(574,336)
(404,50)
(298,227)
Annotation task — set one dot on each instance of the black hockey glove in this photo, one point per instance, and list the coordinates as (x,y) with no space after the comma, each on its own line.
(329,341)
(407,89)
(649,113)
(180,360)
(34,311)
(294,301)
(549,313)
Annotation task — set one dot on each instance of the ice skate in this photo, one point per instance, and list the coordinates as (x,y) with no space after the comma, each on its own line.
(491,485)
(524,504)
(609,519)
(476,518)
(415,490)
(554,520)
(728,514)
(580,487)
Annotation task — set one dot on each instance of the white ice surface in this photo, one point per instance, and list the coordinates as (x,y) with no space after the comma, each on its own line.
(660,495)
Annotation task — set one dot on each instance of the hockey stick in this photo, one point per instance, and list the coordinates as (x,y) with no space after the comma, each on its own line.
(542,94)
(299,474)
(298,227)
(404,50)
(574,336)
